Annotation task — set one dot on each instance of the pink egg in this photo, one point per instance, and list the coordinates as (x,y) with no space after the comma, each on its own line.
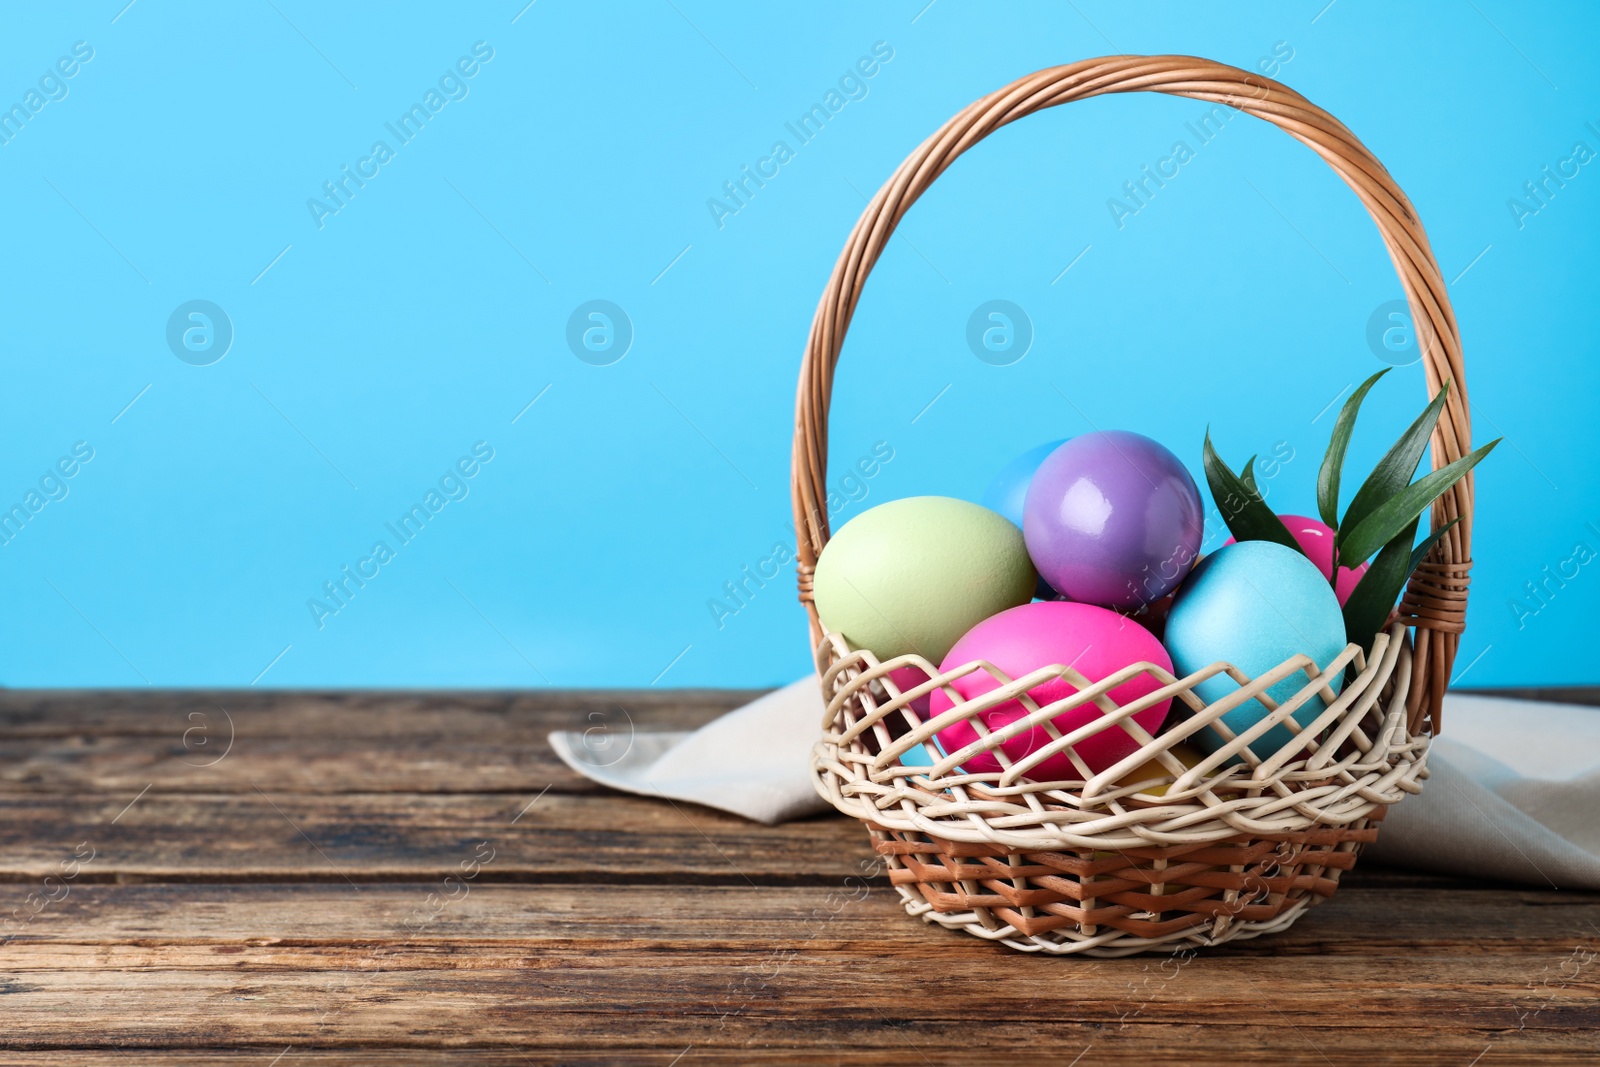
(1093,641)
(1315,539)
(908,678)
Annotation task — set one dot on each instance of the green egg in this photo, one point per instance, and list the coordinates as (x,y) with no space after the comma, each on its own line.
(914,575)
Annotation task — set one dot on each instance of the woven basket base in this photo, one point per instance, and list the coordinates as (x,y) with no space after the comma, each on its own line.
(1123,902)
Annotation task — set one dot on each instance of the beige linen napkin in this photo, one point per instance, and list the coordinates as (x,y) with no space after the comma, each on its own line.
(1528,813)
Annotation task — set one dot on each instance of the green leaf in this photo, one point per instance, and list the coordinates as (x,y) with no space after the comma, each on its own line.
(1390,517)
(1247,515)
(1394,471)
(1420,553)
(1379,588)
(1338,444)
(1374,596)
(1247,475)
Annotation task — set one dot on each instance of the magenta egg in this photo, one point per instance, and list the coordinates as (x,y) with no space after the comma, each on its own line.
(1093,641)
(908,678)
(1315,539)
(1113,518)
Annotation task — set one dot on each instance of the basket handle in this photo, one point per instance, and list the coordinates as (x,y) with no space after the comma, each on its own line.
(1436,598)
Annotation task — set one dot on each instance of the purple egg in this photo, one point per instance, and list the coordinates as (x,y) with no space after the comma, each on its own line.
(1113,518)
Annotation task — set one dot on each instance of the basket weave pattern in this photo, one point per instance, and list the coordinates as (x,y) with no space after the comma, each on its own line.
(1236,846)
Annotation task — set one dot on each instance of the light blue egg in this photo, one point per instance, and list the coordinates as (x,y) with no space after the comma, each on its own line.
(1010,487)
(1254,604)
(1009,490)
(917,756)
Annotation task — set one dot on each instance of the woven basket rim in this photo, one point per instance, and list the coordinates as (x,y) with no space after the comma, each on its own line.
(1355,756)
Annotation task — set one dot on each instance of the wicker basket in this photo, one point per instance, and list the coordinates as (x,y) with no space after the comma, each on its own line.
(1107,865)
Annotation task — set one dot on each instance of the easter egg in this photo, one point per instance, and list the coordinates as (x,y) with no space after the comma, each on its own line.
(913,575)
(1155,769)
(1009,490)
(916,756)
(1113,518)
(1316,541)
(1254,604)
(908,678)
(1093,641)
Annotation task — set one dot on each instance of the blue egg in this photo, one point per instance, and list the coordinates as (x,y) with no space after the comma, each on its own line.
(1009,489)
(917,756)
(1254,604)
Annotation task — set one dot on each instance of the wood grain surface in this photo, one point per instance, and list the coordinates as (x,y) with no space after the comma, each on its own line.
(253,878)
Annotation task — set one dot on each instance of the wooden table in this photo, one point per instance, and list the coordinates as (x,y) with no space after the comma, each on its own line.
(257,878)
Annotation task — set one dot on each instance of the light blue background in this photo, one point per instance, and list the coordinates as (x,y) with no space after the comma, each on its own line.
(430,311)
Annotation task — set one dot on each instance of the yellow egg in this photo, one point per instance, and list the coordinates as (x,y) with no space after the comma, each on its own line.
(1154,769)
